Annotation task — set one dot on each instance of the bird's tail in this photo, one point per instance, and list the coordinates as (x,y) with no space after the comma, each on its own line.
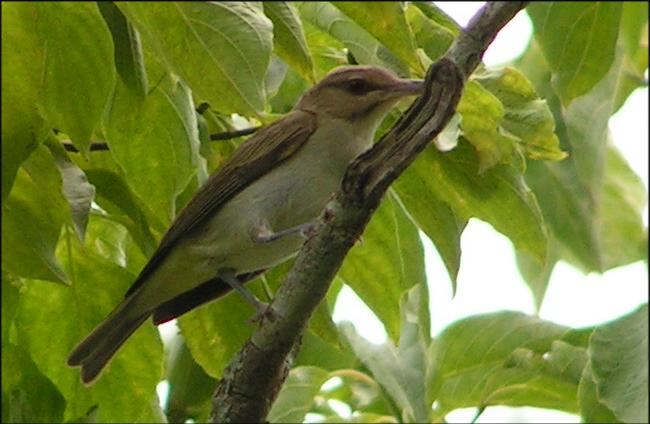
(94,352)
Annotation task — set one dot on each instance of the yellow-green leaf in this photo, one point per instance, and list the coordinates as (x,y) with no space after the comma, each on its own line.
(386,22)
(220,49)
(578,40)
(289,38)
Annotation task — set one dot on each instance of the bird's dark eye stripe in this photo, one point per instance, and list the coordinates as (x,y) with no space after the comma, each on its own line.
(358,86)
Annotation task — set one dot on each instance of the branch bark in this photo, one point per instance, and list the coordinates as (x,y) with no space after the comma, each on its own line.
(253,378)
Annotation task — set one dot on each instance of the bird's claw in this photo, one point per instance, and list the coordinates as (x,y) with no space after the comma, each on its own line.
(308,230)
(264,310)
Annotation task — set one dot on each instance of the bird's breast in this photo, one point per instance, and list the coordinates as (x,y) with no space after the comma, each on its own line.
(291,194)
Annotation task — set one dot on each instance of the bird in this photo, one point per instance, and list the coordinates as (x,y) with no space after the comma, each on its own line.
(256,210)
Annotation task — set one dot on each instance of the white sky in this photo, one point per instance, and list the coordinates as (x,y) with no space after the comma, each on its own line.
(489,279)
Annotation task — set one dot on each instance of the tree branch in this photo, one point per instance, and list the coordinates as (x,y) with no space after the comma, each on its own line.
(95,145)
(253,378)
(226,135)
(102,145)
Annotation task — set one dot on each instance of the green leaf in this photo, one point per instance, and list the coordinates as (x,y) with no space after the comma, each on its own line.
(633,38)
(129,60)
(567,204)
(363,46)
(30,396)
(126,389)
(378,272)
(619,361)
(432,37)
(401,370)
(566,361)
(506,358)
(578,196)
(481,114)
(501,113)
(220,49)
(545,381)
(438,16)
(189,386)
(289,38)
(32,218)
(498,196)
(587,131)
(364,417)
(275,76)
(414,315)
(114,196)
(292,87)
(386,22)
(526,116)
(9,306)
(624,237)
(568,211)
(321,324)
(591,409)
(227,323)
(327,52)
(108,239)
(536,275)
(79,72)
(78,192)
(23,128)
(633,29)
(155,142)
(297,395)
(578,41)
(317,352)
(358,390)
(204,138)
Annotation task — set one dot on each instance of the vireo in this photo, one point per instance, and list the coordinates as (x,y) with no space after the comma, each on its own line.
(254,212)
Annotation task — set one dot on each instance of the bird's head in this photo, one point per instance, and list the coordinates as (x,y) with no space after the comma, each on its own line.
(363,94)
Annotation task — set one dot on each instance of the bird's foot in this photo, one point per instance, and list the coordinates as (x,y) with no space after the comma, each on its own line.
(263,234)
(309,229)
(264,311)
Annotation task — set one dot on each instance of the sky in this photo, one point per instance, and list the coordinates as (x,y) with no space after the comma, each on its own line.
(489,280)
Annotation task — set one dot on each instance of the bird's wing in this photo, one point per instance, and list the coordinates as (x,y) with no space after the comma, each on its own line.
(254,158)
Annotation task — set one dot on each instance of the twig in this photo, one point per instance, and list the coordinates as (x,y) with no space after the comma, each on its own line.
(226,135)
(202,108)
(253,378)
(102,145)
(95,145)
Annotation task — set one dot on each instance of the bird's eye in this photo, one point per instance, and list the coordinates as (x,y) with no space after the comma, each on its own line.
(358,87)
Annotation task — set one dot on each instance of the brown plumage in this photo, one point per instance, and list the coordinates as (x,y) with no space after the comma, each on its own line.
(275,182)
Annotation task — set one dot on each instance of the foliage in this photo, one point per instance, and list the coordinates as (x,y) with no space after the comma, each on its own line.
(529,153)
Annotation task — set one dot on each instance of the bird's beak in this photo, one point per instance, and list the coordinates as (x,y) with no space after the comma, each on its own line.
(409,87)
